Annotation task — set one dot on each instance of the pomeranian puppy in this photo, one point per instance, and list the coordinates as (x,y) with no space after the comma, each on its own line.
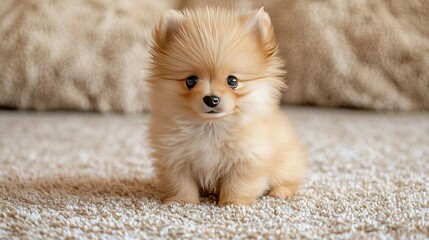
(215,126)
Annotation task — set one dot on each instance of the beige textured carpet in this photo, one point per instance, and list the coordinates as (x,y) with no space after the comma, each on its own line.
(83,175)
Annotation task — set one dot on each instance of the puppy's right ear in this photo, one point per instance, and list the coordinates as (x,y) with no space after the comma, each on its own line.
(168,26)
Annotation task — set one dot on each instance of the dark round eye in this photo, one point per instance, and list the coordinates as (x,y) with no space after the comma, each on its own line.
(232,81)
(191,81)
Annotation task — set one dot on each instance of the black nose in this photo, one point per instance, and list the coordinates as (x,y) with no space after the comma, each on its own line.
(211,101)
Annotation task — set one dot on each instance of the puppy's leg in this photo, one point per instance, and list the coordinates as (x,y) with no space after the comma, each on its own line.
(288,172)
(179,188)
(241,186)
(285,190)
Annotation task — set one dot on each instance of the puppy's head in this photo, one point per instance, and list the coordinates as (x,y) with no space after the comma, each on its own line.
(209,64)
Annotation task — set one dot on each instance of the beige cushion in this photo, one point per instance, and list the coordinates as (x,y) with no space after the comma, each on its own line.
(91,55)
(80,54)
(355,53)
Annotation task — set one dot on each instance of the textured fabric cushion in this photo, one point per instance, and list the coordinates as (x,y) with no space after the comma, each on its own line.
(80,54)
(356,53)
(91,55)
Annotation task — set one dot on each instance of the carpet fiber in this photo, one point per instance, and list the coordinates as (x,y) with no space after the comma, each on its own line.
(84,175)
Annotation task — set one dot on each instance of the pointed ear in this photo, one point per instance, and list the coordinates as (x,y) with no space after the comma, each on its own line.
(259,22)
(167,26)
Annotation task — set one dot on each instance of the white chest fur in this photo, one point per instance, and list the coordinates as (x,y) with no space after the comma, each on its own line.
(206,150)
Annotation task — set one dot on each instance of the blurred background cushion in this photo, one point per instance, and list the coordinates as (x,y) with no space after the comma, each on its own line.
(76,55)
(356,53)
(92,54)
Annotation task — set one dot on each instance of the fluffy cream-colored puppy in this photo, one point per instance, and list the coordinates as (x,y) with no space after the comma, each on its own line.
(216,126)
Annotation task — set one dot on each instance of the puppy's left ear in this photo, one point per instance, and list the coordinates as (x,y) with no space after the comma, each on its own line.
(259,22)
(167,26)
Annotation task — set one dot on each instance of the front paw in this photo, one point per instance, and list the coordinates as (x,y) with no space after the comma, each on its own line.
(282,191)
(180,200)
(235,201)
